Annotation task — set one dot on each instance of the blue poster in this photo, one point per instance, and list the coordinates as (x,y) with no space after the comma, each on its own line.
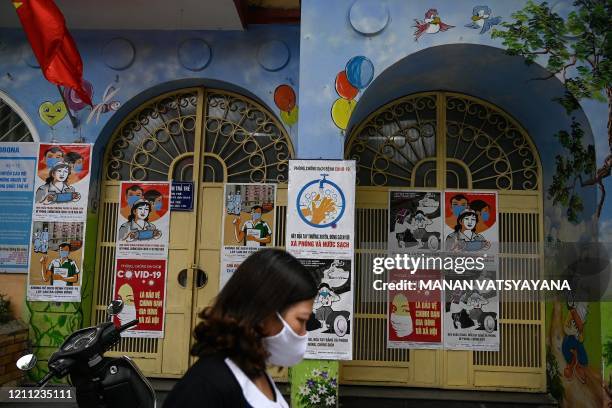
(182,196)
(17,171)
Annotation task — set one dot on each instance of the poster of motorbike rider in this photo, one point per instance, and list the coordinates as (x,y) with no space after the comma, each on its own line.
(471,316)
(62,184)
(329,327)
(415,221)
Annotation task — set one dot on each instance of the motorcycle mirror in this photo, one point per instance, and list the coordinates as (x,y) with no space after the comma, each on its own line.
(26,362)
(115,307)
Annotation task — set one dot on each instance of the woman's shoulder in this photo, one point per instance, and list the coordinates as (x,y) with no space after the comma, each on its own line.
(209,379)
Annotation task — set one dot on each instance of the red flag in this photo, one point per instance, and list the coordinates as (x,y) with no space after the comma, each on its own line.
(52,44)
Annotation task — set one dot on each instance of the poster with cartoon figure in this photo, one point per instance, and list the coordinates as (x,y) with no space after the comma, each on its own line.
(143,222)
(62,182)
(471,317)
(320,232)
(329,327)
(414,317)
(17,174)
(321,207)
(415,221)
(249,219)
(56,259)
(141,285)
(471,225)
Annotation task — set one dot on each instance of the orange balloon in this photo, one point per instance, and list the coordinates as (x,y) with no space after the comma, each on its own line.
(344,87)
(284,98)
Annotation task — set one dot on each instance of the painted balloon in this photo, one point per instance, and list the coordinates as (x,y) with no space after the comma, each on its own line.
(290,118)
(360,71)
(344,87)
(52,112)
(341,112)
(284,98)
(74,101)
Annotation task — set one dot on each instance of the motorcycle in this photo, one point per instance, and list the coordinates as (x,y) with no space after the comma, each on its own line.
(100,382)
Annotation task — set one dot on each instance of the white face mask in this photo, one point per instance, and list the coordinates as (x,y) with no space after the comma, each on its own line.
(287,348)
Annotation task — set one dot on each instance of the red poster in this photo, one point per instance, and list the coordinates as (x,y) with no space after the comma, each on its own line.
(141,284)
(414,316)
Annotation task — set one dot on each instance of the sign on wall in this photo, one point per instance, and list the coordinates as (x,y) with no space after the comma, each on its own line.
(249,219)
(17,172)
(143,230)
(471,230)
(320,232)
(57,235)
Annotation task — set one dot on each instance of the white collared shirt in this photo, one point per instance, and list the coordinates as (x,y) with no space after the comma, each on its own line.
(252,394)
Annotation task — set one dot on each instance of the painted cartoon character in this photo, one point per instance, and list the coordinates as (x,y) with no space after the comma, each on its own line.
(56,188)
(132,194)
(572,347)
(52,156)
(483,211)
(155,198)
(420,223)
(432,24)
(335,271)
(138,226)
(482,20)
(254,232)
(128,313)
(61,271)
(401,321)
(323,304)
(458,204)
(465,237)
(76,161)
(403,228)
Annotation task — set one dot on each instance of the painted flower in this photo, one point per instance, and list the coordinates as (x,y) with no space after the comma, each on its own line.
(304,390)
(310,382)
(324,374)
(322,389)
(315,399)
(333,382)
(316,372)
(331,400)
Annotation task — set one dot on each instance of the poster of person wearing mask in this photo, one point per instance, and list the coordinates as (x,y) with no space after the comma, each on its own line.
(329,327)
(143,222)
(62,184)
(141,285)
(415,221)
(471,316)
(471,225)
(56,258)
(249,218)
(414,317)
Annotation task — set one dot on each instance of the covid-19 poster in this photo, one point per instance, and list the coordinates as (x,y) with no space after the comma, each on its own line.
(57,237)
(17,172)
(320,232)
(143,234)
(249,219)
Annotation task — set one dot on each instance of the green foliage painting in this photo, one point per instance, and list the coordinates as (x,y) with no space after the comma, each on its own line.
(577,49)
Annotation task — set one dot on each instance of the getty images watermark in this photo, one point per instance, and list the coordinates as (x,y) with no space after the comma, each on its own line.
(461,268)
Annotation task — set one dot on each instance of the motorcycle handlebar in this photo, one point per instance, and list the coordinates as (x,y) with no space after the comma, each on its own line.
(127,325)
(46,378)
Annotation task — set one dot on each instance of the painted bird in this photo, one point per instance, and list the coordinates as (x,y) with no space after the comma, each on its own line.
(482,20)
(106,105)
(430,25)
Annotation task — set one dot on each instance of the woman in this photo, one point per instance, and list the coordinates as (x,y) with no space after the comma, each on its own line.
(56,188)
(258,318)
(138,226)
(465,237)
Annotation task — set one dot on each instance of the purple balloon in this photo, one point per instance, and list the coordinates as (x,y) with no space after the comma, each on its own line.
(72,99)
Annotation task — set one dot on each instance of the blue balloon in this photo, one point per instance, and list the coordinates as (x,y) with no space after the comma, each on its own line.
(360,71)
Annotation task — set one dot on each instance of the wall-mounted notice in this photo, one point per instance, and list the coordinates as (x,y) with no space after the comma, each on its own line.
(320,232)
(143,233)
(414,317)
(248,223)
(17,172)
(57,236)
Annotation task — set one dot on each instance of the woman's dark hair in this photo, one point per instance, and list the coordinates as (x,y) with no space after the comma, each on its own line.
(419,212)
(53,149)
(136,205)
(324,285)
(72,157)
(152,195)
(462,216)
(267,282)
(55,168)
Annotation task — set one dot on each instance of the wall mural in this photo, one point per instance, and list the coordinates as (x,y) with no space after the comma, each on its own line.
(355,77)
(432,24)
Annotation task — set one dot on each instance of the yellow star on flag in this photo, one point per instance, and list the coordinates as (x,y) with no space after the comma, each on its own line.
(17,4)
